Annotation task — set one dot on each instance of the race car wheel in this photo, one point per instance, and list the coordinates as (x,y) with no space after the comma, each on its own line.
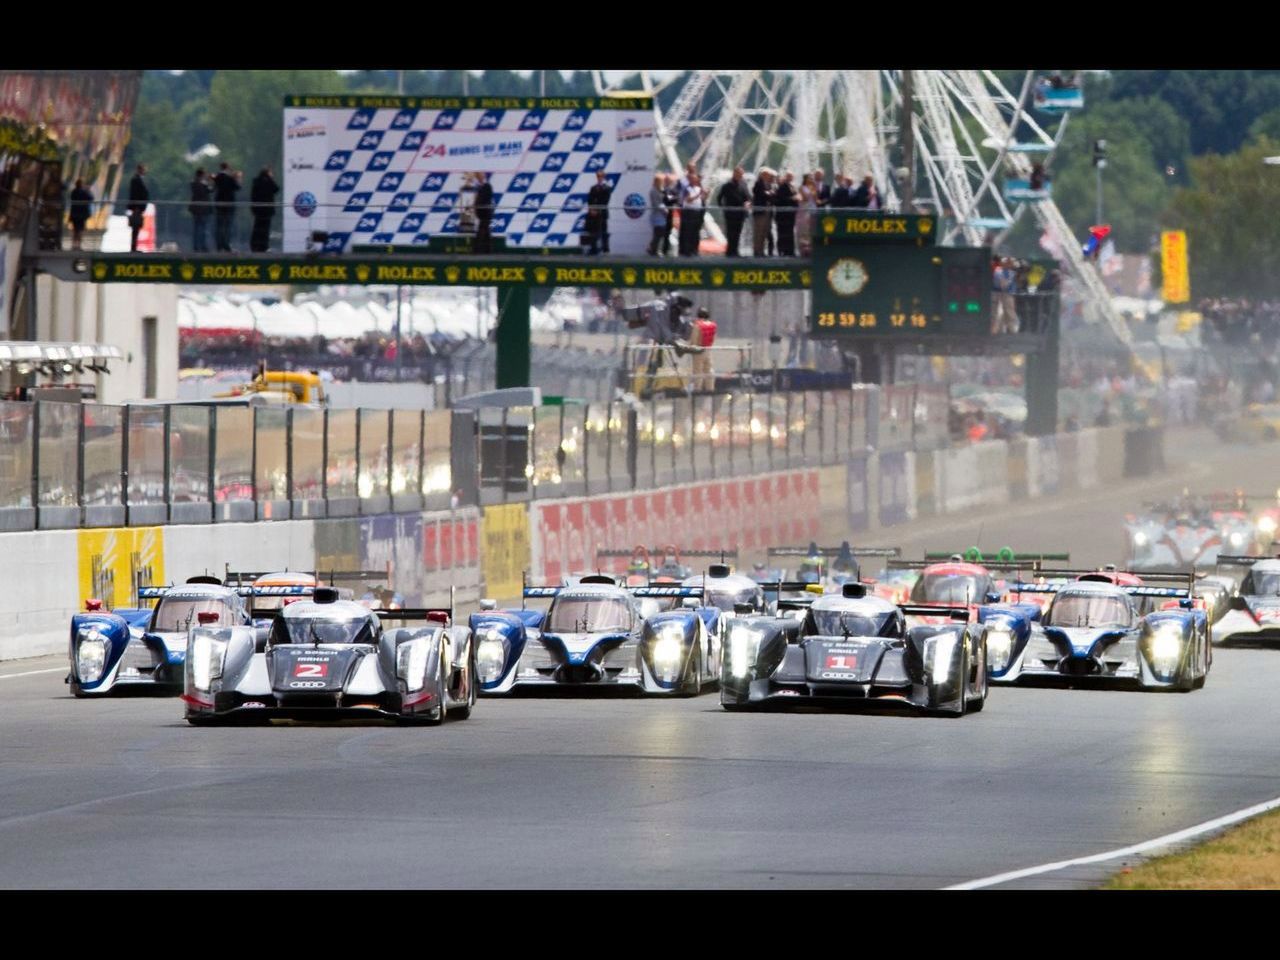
(442,694)
(975,705)
(694,686)
(462,713)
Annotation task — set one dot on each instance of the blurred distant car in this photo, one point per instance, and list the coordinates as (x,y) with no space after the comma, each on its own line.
(1260,421)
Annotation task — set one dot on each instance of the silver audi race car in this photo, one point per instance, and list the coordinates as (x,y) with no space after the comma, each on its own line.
(326,657)
(852,647)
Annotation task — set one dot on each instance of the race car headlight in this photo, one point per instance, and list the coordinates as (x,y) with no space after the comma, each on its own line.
(411,663)
(999,648)
(938,657)
(207,653)
(91,654)
(1166,647)
(1139,539)
(1237,539)
(743,645)
(1267,525)
(668,650)
(490,656)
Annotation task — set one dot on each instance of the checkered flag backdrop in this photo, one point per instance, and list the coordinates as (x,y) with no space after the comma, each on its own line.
(367,173)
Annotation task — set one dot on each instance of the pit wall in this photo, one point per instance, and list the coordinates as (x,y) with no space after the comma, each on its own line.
(485,551)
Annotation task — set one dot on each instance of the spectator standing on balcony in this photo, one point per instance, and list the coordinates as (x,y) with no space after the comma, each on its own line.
(484,213)
(263,194)
(226,184)
(598,214)
(201,209)
(823,188)
(785,202)
(693,207)
(762,195)
(1004,313)
(808,208)
(659,213)
(81,205)
(139,197)
(842,195)
(734,200)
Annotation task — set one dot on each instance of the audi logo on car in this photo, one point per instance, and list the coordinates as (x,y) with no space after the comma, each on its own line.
(306,684)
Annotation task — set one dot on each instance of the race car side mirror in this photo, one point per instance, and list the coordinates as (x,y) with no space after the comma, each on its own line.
(993,597)
(1186,603)
(93,605)
(488,603)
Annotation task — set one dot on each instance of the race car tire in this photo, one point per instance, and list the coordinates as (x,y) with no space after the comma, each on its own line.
(200,721)
(976,705)
(78,693)
(694,686)
(441,713)
(462,713)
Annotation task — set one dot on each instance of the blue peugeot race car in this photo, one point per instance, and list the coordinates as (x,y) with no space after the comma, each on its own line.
(597,633)
(851,648)
(1100,629)
(147,647)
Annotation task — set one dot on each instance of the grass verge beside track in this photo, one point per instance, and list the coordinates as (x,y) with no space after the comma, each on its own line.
(1246,857)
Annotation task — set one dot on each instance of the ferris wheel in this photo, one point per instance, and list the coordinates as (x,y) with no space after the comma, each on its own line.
(979,149)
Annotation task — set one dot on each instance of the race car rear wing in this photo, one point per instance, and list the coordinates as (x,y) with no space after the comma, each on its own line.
(1133,590)
(931,610)
(332,576)
(1236,560)
(665,591)
(731,554)
(1004,558)
(1168,576)
(810,551)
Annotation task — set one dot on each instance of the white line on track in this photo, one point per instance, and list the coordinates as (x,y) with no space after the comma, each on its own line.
(32,673)
(1141,848)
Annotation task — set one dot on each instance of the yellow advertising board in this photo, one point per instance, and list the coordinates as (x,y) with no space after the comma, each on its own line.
(111,560)
(504,549)
(1173,262)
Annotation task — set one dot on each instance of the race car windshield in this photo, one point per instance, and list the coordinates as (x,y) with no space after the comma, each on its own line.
(174,615)
(588,615)
(1261,585)
(835,623)
(1080,610)
(950,588)
(314,630)
(725,599)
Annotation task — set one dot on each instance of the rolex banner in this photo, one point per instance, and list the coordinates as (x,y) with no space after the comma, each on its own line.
(399,170)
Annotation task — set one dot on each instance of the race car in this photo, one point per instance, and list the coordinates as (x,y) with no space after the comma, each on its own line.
(1094,632)
(831,566)
(329,658)
(1253,613)
(1188,531)
(377,592)
(143,646)
(595,634)
(852,647)
(642,569)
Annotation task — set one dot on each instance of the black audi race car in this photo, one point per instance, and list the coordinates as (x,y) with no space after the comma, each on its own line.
(851,647)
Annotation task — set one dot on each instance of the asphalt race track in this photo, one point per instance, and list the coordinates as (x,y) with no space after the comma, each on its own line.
(609,792)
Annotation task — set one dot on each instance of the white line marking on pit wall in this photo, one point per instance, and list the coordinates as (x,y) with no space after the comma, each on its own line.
(1141,848)
(32,673)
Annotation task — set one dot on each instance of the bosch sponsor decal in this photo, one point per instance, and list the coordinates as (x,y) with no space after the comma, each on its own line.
(304,203)
(303,126)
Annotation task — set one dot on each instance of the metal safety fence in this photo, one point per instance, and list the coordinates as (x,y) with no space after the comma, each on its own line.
(65,465)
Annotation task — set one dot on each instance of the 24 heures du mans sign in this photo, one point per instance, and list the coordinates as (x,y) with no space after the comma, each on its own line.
(451,271)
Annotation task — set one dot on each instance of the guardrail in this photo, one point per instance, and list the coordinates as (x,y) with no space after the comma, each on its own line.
(66,465)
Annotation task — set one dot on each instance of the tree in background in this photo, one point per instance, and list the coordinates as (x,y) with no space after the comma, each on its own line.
(1230,214)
